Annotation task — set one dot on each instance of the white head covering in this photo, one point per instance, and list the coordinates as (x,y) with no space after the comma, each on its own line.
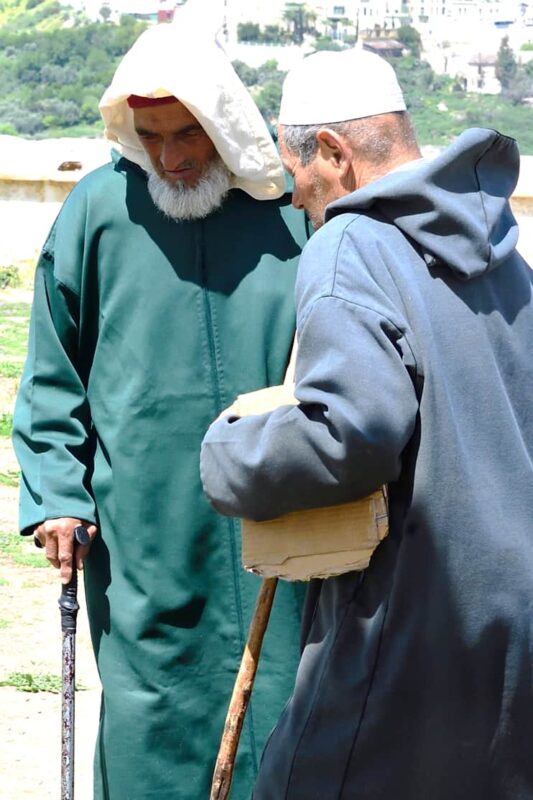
(336,86)
(169,59)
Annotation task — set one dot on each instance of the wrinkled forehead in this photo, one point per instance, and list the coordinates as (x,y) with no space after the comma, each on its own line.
(173,116)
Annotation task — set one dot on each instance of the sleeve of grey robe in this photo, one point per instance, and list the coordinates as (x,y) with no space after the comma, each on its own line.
(357,411)
(52,423)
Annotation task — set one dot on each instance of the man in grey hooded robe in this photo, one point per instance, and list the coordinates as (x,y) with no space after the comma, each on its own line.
(414,369)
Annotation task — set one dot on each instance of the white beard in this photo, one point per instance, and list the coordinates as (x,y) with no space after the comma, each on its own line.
(178,201)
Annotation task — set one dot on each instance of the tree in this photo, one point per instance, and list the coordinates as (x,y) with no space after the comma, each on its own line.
(410,38)
(248,32)
(334,22)
(268,101)
(105,12)
(272,34)
(269,72)
(300,20)
(506,66)
(247,74)
(520,87)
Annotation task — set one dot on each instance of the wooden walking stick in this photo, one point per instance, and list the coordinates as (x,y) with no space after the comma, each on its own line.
(251,403)
(242,690)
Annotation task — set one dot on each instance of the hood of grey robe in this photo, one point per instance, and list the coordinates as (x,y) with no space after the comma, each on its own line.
(454,207)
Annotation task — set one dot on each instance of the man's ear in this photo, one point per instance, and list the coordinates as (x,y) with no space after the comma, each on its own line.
(334,149)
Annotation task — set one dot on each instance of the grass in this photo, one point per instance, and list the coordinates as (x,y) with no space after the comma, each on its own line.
(15,309)
(4,623)
(437,127)
(73,132)
(40,682)
(31,584)
(10,478)
(6,424)
(14,329)
(21,550)
(10,369)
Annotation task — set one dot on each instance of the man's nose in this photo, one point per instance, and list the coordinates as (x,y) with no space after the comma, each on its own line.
(172,154)
(296,198)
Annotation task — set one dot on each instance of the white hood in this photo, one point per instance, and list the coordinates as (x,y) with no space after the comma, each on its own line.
(173,59)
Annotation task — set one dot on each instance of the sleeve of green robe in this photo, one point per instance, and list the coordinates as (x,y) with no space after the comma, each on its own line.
(52,422)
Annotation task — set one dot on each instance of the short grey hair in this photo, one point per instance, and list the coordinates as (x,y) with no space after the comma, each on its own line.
(301,139)
(373,138)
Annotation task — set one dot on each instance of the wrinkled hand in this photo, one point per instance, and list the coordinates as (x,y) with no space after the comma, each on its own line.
(57,538)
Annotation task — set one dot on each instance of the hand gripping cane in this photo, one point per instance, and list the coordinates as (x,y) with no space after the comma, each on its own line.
(68,604)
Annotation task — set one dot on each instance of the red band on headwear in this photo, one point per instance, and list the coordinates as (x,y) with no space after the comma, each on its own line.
(136,101)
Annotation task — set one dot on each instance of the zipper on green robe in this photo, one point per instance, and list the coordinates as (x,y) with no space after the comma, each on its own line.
(215,365)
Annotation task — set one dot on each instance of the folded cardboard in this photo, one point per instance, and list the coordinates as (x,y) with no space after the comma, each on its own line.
(316,543)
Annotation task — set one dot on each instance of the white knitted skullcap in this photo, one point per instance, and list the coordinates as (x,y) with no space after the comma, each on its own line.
(335,86)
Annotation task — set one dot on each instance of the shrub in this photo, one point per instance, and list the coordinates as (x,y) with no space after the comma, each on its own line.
(9,277)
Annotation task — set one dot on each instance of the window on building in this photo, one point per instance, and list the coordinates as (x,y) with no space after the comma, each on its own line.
(339,11)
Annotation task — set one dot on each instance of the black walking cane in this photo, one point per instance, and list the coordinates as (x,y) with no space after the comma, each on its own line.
(68,604)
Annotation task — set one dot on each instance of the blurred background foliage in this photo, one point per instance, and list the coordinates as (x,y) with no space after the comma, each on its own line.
(55,64)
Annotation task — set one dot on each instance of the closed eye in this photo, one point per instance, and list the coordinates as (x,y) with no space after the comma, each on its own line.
(145,134)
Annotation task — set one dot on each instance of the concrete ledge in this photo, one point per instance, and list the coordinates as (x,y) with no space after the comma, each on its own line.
(39,159)
(522,205)
(28,162)
(43,190)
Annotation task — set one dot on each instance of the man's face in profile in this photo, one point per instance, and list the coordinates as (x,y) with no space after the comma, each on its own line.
(312,188)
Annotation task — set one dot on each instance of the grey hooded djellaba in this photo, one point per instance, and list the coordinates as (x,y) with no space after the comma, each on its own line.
(415,369)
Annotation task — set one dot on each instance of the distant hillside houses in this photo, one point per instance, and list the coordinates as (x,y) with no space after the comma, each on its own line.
(335,18)
(152,11)
(346,14)
(452,31)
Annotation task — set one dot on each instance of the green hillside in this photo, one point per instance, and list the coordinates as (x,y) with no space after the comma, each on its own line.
(53,79)
(55,66)
(37,15)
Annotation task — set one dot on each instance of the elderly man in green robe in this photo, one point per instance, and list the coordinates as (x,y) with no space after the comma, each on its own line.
(163,290)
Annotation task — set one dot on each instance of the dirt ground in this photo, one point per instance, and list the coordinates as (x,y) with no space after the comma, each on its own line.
(30,643)
(30,723)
